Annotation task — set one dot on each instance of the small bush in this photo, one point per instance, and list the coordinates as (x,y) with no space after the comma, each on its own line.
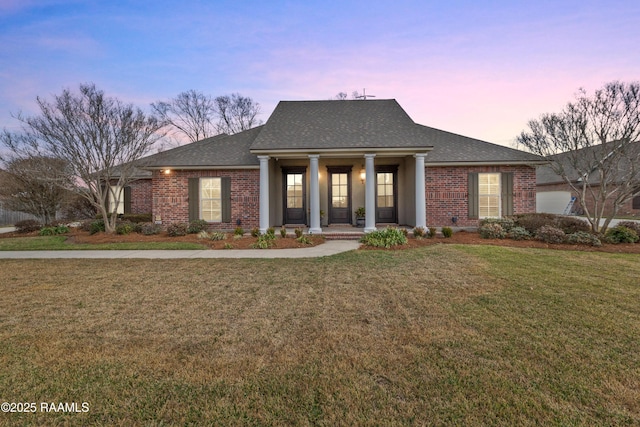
(255,232)
(283,231)
(137,218)
(203,235)
(178,229)
(298,232)
(239,231)
(304,240)
(264,242)
(271,232)
(571,225)
(217,235)
(27,226)
(47,231)
(125,227)
(384,238)
(519,233)
(62,229)
(583,238)
(633,225)
(492,230)
(621,234)
(96,226)
(533,221)
(432,232)
(418,232)
(447,232)
(150,229)
(197,225)
(228,246)
(550,234)
(506,223)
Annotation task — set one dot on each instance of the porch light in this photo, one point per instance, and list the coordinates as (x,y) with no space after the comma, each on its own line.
(167,171)
(363,174)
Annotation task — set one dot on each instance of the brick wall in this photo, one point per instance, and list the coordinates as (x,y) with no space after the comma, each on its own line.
(446,192)
(171,196)
(141,196)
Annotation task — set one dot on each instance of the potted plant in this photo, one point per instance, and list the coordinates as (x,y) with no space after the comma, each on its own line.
(360,215)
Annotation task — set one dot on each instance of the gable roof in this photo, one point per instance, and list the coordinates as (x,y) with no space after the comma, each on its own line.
(357,124)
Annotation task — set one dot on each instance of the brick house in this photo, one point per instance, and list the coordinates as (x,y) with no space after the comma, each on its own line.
(313,163)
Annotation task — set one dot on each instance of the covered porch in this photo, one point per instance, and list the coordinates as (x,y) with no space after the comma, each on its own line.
(323,190)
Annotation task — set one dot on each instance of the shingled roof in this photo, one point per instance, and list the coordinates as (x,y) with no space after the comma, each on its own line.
(452,148)
(309,125)
(362,125)
(217,151)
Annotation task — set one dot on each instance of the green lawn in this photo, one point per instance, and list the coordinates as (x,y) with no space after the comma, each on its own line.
(442,335)
(56,243)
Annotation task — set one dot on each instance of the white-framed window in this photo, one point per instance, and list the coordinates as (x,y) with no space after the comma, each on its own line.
(211,199)
(116,193)
(489,195)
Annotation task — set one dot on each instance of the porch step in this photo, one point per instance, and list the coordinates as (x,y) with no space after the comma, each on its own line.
(343,236)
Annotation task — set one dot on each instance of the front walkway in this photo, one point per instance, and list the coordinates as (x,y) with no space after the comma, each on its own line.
(330,247)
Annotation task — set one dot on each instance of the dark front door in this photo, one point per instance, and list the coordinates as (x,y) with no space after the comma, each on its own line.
(294,196)
(339,195)
(387,194)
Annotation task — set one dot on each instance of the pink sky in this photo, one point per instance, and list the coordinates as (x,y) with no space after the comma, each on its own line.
(481,69)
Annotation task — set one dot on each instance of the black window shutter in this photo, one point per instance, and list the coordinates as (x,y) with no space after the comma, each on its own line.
(507,194)
(226,199)
(127,200)
(194,199)
(473,196)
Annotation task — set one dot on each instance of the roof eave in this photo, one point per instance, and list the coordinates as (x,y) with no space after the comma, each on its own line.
(487,163)
(342,152)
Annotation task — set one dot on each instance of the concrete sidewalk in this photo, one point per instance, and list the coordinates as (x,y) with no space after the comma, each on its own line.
(330,247)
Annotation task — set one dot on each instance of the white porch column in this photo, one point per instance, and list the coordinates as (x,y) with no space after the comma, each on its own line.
(370,194)
(264,193)
(421,204)
(314,202)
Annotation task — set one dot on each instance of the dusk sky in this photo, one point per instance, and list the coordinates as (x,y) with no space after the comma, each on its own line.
(476,68)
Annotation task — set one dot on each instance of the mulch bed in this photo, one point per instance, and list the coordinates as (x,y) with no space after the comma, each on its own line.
(461,237)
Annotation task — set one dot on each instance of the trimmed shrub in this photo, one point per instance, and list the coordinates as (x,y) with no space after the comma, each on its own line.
(384,238)
(47,231)
(125,227)
(571,225)
(27,226)
(633,225)
(96,226)
(550,234)
(298,232)
(150,229)
(583,238)
(533,221)
(447,232)
(137,218)
(519,233)
(255,232)
(178,229)
(197,226)
(271,232)
(283,231)
(239,231)
(621,234)
(432,232)
(419,232)
(492,230)
(506,223)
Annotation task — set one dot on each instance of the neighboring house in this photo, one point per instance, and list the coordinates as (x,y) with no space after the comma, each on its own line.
(314,163)
(554,194)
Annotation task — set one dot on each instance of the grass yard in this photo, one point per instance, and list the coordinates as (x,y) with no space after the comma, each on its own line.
(440,335)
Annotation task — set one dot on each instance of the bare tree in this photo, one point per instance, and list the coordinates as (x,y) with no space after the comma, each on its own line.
(99,137)
(35,185)
(190,113)
(341,96)
(236,113)
(593,145)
